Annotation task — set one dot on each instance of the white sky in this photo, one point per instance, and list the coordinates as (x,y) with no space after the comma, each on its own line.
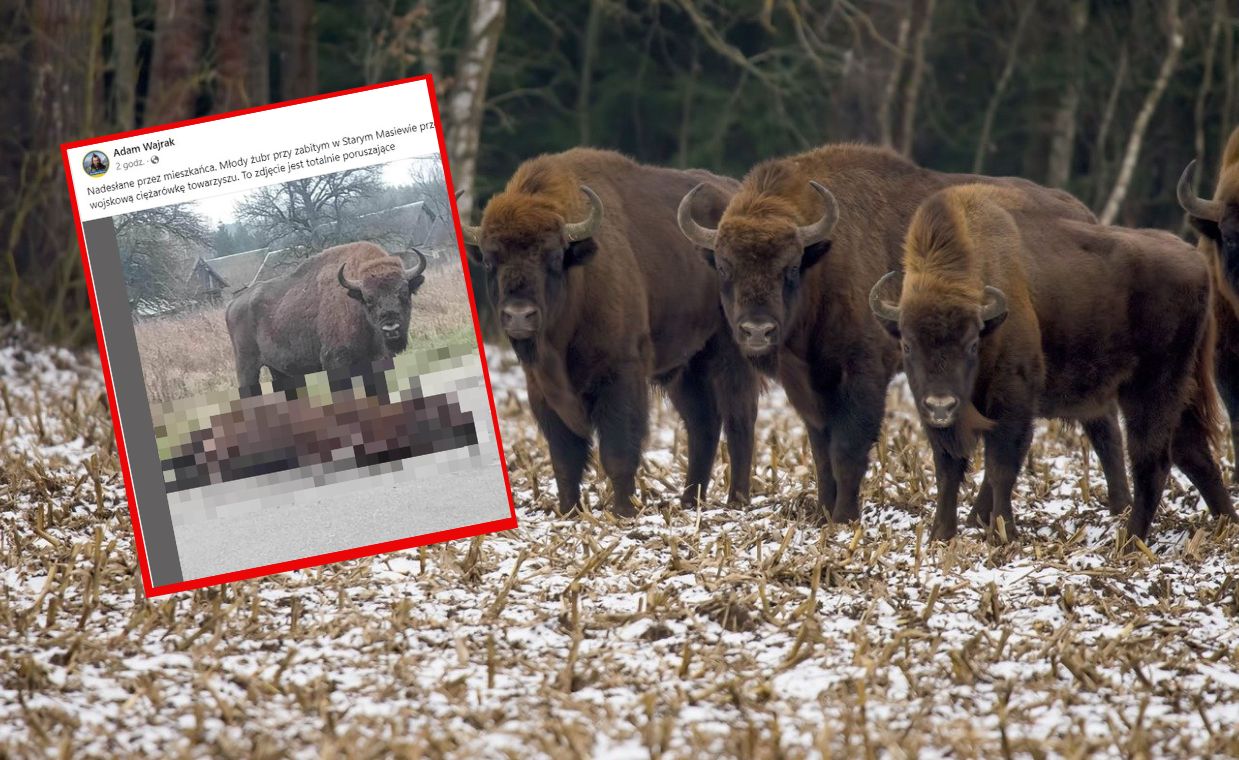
(222,208)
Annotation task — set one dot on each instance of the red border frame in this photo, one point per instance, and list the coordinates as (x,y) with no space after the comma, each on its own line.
(467,531)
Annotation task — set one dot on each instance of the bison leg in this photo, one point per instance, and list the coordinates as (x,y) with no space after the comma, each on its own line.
(569,453)
(736,390)
(950,473)
(1148,448)
(1107,440)
(621,414)
(693,397)
(1190,453)
(282,382)
(983,507)
(1005,449)
(853,433)
(819,442)
(1227,375)
(248,367)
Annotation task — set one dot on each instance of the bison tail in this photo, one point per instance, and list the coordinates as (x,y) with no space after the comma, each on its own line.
(1203,405)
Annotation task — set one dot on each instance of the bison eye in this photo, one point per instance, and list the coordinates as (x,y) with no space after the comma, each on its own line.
(906,346)
(973,347)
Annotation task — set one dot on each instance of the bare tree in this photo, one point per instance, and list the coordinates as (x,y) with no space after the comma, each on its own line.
(156,248)
(241,51)
(1136,139)
(298,50)
(467,100)
(886,105)
(176,61)
(1063,127)
(1000,88)
(124,64)
(310,213)
(916,74)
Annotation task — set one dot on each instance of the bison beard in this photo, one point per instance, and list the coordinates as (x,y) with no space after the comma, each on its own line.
(1055,354)
(600,295)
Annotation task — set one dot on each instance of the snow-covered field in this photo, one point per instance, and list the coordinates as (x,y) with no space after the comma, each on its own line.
(687,633)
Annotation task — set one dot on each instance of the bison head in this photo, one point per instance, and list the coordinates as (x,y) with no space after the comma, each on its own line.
(760,265)
(941,340)
(385,291)
(1217,220)
(528,250)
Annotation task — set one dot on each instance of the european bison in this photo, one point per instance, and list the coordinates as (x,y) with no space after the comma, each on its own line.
(1008,313)
(339,312)
(797,251)
(599,294)
(1217,222)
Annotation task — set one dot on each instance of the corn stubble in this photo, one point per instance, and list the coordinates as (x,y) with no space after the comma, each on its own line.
(687,632)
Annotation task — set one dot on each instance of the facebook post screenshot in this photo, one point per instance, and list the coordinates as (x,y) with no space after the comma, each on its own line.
(291,348)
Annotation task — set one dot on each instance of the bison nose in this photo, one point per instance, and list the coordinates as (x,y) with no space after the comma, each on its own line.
(941,409)
(519,320)
(759,333)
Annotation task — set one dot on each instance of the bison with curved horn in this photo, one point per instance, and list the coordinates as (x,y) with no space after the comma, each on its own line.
(797,250)
(339,311)
(599,295)
(1217,223)
(1006,313)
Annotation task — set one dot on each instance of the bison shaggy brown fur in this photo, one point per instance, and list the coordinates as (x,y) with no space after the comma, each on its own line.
(339,311)
(1217,223)
(795,285)
(1008,312)
(599,294)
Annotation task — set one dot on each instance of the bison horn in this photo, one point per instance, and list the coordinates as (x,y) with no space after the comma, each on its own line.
(821,229)
(354,288)
(577,231)
(470,233)
(1196,206)
(880,307)
(418,268)
(995,304)
(702,237)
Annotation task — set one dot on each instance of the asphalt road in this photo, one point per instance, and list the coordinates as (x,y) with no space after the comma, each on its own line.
(343,516)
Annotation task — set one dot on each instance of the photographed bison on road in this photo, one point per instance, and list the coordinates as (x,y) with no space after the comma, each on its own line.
(1217,223)
(797,251)
(1008,313)
(339,312)
(599,294)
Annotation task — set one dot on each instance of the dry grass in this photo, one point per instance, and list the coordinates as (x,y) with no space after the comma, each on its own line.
(190,354)
(684,633)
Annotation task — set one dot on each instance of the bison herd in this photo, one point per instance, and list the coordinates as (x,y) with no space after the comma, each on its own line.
(1001,300)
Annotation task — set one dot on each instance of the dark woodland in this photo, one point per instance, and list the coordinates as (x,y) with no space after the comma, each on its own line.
(1106,99)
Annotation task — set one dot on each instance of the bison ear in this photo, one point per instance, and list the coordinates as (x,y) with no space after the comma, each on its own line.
(1206,228)
(579,252)
(415,282)
(813,254)
(708,255)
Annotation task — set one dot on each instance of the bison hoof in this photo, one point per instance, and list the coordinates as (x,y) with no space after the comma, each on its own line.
(624,508)
(692,495)
(845,515)
(738,500)
(942,532)
(1118,506)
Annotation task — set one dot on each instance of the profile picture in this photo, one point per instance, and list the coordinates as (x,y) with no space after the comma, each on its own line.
(96,163)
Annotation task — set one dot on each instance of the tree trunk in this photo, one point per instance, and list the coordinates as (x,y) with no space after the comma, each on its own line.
(1202,97)
(1063,134)
(885,134)
(915,75)
(240,54)
(428,43)
(1136,139)
(1101,148)
(1000,88)
(589,46)
(466,104)
(124,65)
(1231,66)
(298,49)
(176,73)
